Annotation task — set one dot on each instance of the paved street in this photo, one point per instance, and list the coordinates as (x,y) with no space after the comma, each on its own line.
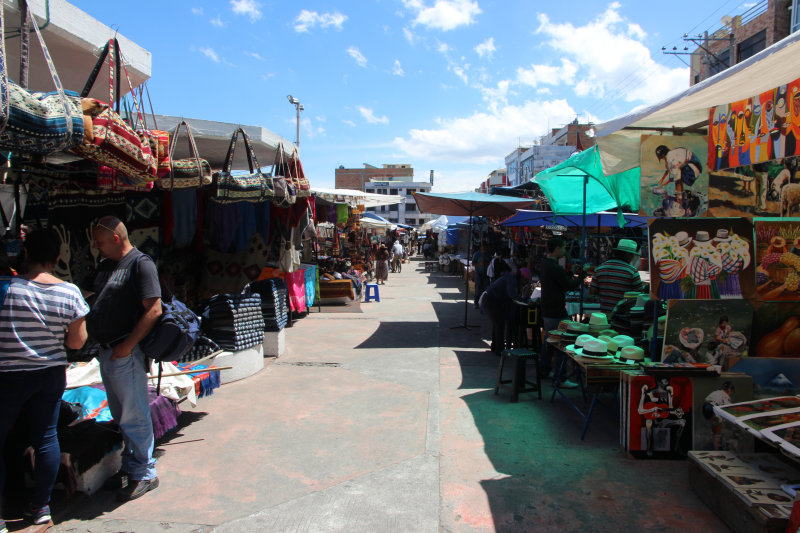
(385,420)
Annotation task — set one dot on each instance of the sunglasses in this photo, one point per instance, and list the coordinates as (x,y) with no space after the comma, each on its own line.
(98,225)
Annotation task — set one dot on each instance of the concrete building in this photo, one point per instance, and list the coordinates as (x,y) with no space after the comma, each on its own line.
(388,179)
(497,178)
(742,36)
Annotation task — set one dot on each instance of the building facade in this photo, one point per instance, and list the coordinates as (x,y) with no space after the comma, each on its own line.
(388,179)
(742,36)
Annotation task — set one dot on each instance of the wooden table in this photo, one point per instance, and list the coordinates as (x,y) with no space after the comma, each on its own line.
(594,377)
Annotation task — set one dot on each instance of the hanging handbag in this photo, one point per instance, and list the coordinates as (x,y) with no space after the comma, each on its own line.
(285,191)
(34,122)
(189,172)
(159,139)
(299,179)
(243,187)
(115,143)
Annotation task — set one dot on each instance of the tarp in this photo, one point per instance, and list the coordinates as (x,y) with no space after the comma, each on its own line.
(528,218)
(563,185)
(469,204)
(353,197)
(773,66)
(437,224)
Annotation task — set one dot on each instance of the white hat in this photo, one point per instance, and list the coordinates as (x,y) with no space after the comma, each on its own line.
(624,341)
(598,319)
(630,355)
(579,342)
(611,344)
(594,348)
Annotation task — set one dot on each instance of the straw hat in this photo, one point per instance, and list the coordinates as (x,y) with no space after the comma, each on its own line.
(611,344)
(722,235)
(579,342)
(598,319)
(701,237)
(594,349)
(683,238)
(630,355)
(624,341)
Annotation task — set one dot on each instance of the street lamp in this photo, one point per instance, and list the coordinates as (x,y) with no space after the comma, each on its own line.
(296,103)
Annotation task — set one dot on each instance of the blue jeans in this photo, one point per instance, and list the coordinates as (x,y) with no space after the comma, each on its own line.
(37,393)
(126,386)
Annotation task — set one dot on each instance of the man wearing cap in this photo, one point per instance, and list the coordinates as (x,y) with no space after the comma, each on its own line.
(617,276)
(555,284)
(126,307)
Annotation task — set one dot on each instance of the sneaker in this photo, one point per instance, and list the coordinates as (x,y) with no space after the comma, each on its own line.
(39,515)
(117,481)
(3,528)
(567,384)
(136,489)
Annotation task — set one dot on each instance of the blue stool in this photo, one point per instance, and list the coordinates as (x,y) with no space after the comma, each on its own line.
(372,293)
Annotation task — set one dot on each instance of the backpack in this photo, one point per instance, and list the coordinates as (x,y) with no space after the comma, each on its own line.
(174,334)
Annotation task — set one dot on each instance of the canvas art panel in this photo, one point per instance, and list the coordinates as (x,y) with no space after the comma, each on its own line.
(659,418)
(674,178)
(764,189)
(756,129)
(709,429)
(778,258)
(772,376)
(706,258)
(707,331)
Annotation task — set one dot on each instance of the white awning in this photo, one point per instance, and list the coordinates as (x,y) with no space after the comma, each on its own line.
(774,66)
(354,197)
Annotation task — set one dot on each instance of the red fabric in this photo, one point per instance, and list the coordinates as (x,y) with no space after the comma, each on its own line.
(296,282)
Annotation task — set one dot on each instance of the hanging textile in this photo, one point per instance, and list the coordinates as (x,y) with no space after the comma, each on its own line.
(342,213)
(296,284)
(184,215)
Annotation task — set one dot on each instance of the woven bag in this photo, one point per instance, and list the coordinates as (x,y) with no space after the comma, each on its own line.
(254,186)
(189,172)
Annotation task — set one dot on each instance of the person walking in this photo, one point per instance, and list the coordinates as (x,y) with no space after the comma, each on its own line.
(126,307)
(397,256)
(40,315)
(382,265)
(555,283)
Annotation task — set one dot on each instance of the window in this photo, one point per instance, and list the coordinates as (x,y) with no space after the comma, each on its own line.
(371,191)
(715,65)
(410,191)
(751,46)
(392,191)
(393,207)
(411,207)
(383,209)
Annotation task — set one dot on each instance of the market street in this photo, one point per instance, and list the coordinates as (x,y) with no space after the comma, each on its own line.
(385,420)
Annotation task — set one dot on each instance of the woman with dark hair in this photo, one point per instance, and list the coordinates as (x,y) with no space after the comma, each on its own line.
(38,317)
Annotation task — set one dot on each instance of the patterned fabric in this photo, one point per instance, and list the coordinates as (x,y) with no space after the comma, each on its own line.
(274,308)
(39,123)
(613,279)
(188,172)
(311,283)
(234,321)
(254,186)
(297,176)
(296,282)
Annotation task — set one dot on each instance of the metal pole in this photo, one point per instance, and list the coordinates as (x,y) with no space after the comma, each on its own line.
(297,106)
(583,234)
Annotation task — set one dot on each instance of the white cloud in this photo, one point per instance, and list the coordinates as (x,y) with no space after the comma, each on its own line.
(548,74)
(636,31)
(310,19)
(211,54)
(460,71)
(443,48)
(486,48)
(410,36)
(197,11)
(349,123)
(255,55)
(397,69)
(217,21)
(369,116)
(443,14)
(356,54)
(485,137)
(251,8)
(496,96)
(617,66)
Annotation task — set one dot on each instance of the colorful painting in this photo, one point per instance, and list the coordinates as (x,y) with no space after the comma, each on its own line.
(763,189)
(707,331)
(787,437)
(757,129)
(659,416)
(778,258)
(674,179)
(707,258)
(771,376)
(709,432)
(776,330)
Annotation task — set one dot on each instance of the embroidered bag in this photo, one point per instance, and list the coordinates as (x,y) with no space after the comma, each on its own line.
(252,187)
(159,139)
(115,143)
(189,172)
(285,191)
(298,177)
(34,122)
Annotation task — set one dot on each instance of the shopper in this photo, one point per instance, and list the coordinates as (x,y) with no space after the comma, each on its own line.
(397,256)
(617,276)
(127,306)
(382,265)
(40,314)
(480,260)
(499,306)
(555,283)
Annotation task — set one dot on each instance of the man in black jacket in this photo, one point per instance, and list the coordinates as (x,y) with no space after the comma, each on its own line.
(555,283)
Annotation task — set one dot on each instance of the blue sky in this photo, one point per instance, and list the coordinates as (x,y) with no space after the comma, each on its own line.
(448,85)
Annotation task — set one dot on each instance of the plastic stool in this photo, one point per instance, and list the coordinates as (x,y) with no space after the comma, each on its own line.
(372,293)
(519,382)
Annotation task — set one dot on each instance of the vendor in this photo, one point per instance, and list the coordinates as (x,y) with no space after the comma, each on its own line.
(617,276)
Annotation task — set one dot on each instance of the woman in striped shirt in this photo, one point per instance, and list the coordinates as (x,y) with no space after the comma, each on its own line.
(39,315)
